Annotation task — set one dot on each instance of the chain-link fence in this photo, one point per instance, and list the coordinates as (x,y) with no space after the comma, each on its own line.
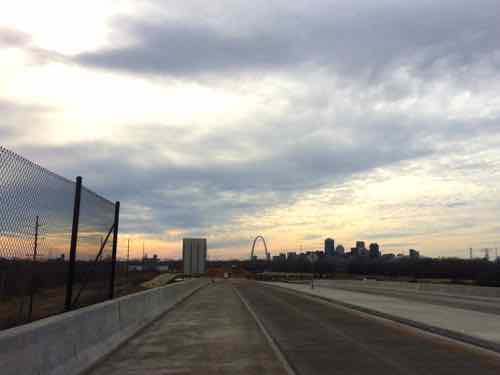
(56,242)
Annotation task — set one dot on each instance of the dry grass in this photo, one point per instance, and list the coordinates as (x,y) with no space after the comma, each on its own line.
(14,311)
(160,280)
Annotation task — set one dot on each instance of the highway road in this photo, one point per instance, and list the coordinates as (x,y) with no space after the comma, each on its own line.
(318,337)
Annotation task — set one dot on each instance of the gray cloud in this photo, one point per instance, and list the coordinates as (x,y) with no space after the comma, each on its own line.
(182,50)
(161,193)
(13,38)
(4,133)
(6,128)
(211,191)
(353,37)
(16,118)
(345,54)
(228,244)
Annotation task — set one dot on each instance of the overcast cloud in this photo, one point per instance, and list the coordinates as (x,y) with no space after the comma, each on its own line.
(325,99)
(357,38)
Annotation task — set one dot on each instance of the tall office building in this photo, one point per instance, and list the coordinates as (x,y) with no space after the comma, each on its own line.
(361,249)
(414,254)
(374,250)
(340,250)
(194,255)
(330,246)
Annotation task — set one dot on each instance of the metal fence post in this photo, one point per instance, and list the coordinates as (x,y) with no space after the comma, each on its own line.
(33,270)
(74,241)
(113,259)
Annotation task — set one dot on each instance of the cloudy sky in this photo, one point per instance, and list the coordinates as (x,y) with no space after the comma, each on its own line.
(297,120)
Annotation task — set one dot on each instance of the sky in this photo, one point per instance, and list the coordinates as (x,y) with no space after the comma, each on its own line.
(296,120)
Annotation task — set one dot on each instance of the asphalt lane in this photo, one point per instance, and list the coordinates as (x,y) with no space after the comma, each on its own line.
(317,337)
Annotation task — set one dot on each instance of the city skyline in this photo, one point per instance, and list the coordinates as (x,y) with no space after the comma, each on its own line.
(221,124)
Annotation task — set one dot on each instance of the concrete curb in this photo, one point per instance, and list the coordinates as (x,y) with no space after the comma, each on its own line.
(458,336)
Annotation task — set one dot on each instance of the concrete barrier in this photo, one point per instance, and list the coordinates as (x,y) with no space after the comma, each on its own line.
(470,291)
(70,343)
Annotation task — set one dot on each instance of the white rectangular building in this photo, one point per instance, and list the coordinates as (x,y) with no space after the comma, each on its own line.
(194,255)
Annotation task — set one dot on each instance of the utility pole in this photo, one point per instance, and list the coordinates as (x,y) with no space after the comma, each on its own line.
(128,258)
(143,254)
(486,252)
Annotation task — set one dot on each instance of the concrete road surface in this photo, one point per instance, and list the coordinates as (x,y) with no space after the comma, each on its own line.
(321,338)
(209,333)
(481,304)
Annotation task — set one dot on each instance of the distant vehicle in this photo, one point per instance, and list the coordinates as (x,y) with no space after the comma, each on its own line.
(227,275)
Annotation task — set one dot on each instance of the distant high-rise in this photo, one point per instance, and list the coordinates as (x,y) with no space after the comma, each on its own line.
(330,246)
(194,255)
(414,254)
(360,248)
(340,250)
(374,250)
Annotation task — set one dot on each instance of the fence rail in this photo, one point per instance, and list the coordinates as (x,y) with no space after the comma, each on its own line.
(58,242)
